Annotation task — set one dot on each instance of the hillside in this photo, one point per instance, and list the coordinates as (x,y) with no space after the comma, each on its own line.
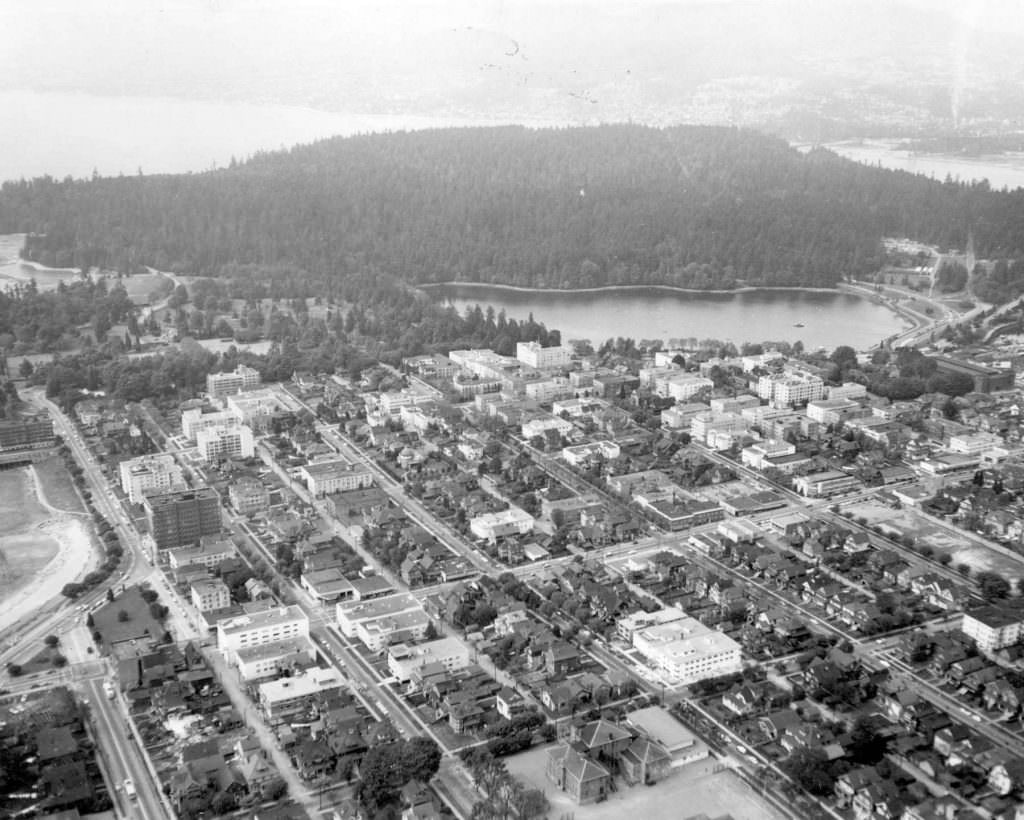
(698,207)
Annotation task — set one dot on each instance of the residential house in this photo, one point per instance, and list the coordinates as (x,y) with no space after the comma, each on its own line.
(584,780)
(645,761)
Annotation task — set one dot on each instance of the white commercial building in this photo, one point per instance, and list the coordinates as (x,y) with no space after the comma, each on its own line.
(158,473)
(974,444)
(208,554)
(681,386)
(848,390)
(404,659)
(194,420)
(269,626)
(335,476)
(791,388)
(268,660)
(256,408)
(485,363)
(382,621)
(758,455)
(686,651)
(533,355)
(539,425)
(217,443)
(391,403)
(628,625)
(585,453)
(288,696)
(706,425)
(491,526)
(549,390)
(224,384)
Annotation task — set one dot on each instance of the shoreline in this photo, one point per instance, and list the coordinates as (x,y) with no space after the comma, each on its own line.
(603,288)
(75,556)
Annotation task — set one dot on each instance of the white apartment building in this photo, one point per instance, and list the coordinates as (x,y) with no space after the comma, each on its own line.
(994,627)
(404,659)
(217,443)
(682,415)
(681,386)
(584,453)
(269,626)
(549,390)
(628,625)
(283,697)
(848,390)
(207,554)
(270,659)
(734,404)
(485,363)
(973,444)
(578,408)
(335,476)
(686,651)
(209,594)
(224,384)
(791,388)
(758,455)
(754,361)
(539,358)
(158,473)
(492,526)
(391,403)
(194,420)
(382,621)
(540,425)
(256,408)
(833,411)
(704,425)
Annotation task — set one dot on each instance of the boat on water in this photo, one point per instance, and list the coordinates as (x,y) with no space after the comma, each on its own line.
(799,324)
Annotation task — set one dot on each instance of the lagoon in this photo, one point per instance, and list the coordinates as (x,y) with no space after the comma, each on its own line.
(829,318)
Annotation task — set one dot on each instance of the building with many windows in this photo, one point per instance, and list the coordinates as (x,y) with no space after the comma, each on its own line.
(994,627)
(194,420)
(492,526)
(282,698)
(335,476)
(241,378)
(257,628)
(257,409)
(686,651)
(156,473)
(25,434)
(532,354)
(208,553)
(382,621)
(249,496)
(218,443)
(182,517)
(268,660)
(209,594)
(790,388)
(404,659)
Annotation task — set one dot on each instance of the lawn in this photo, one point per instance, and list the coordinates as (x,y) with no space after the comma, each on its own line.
(56,484)
(692,790)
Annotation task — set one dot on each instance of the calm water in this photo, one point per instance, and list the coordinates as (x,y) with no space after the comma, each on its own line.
(829,319)
(63,133)
(1001,172)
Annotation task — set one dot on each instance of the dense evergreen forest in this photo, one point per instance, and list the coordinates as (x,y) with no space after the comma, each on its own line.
(698,207)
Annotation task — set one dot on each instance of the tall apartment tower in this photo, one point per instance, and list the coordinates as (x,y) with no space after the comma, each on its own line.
(180,518)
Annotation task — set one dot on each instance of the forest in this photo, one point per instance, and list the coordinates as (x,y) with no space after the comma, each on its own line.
(689,206)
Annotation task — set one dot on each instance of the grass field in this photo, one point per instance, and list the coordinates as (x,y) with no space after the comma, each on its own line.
(692,790)
(57,486)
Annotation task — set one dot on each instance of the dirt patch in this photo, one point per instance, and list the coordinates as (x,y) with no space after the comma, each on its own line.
(56,485)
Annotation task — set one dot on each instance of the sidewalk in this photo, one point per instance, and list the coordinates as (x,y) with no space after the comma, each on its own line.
(298,790)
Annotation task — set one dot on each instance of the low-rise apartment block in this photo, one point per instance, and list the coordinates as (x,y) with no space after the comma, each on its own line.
(269,626)
(686,651)
(248,496)
(208,553)
(492,526)
(994,627)
(282,698)
(532,354)
(404,659)
(335,476)
(790,388)
(382,621)
(269,660)
(218,443)
(241,378)
(156,473)
(209,594)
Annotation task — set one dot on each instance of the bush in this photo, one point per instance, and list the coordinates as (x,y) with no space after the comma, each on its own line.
(51,641)
(59,661)
(14,669)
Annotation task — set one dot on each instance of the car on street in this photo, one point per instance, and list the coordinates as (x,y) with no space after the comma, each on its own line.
(129,787)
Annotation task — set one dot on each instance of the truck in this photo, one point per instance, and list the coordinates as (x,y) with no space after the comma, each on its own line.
(108,689)
(129,787)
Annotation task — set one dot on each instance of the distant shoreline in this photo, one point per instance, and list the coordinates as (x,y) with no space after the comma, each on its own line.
(603,288)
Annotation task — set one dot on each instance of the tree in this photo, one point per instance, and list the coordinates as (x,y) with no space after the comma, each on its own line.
(25,369)
(51,641)
(421,759)
(993,586)
(59,661)
(14,669)
(122,616)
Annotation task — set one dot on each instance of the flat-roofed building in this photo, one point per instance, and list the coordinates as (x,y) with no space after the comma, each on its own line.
(26,434)
(686,651)
(994,627)
(834,411)
(195,420)
(285,697)
(404,659)
(580,454)
(657,724)
(757,455)
(534,355)
(249,496)
(327,586)
(209,594)
(335,476)
(268,626)
(219,443)
(268,660)
(155,473)
(492,526)
(628,625)
(208,553)
(825,484)
(383,621)
(183,517)
(224,384)
(681,386)
(257,408)
(790,388)
(848,390)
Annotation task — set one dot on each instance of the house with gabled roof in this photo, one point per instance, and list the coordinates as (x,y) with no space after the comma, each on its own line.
(584,780)
(645,761)
(601,739)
